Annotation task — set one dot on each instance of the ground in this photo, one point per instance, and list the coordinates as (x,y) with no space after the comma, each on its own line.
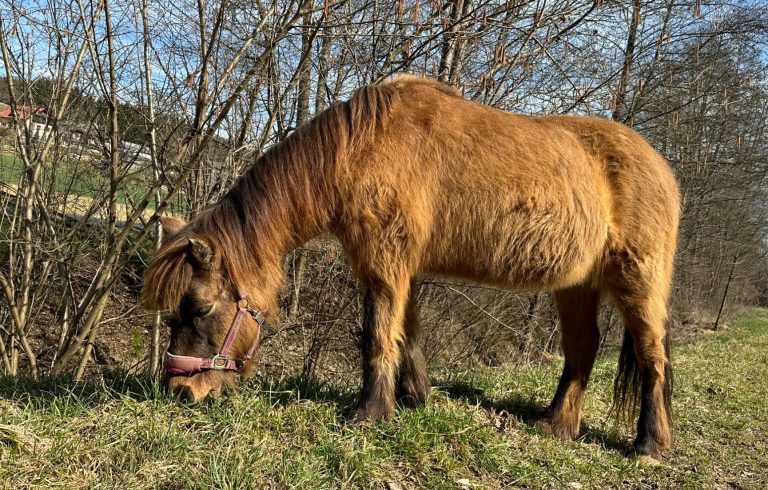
(475,431)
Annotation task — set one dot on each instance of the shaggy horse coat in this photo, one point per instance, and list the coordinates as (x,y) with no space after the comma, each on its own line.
(415,180)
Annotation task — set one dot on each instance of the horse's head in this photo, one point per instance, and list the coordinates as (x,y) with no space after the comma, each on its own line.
(214,327)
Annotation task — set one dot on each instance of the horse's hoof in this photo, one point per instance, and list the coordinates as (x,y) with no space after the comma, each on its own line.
(366,415)
(412,392)
(546,425)
(358,418)
(412,401)
(647,452)
(646,455)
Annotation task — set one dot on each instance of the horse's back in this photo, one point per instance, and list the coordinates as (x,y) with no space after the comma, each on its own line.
(517,200)
(514,200)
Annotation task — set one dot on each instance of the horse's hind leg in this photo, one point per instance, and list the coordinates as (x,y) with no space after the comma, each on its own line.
(412,379)
(645,359)
(577,308)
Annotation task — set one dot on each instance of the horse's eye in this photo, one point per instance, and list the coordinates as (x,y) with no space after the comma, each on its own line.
(203,311)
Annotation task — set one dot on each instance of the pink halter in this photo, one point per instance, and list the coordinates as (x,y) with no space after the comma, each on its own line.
(188,365)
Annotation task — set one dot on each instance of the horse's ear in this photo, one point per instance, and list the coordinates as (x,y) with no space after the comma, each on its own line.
(171,226)
(202,251)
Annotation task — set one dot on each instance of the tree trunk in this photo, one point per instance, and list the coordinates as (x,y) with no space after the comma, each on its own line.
(453,42)
(725,294)
(302,116)
(620,112)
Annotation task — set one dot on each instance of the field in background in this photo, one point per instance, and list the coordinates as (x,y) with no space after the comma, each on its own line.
(472,434)
(79,182)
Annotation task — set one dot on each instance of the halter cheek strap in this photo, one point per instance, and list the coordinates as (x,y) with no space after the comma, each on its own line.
(189,365)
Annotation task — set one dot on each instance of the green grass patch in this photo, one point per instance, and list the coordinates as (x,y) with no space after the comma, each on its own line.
(10,168)
(76,177)
(473,433)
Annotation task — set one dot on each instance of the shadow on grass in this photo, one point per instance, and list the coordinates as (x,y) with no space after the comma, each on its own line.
(43,392)
(295,389)
(46,391)
(528,411)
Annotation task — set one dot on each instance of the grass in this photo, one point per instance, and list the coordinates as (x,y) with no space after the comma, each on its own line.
(9,168)
(81,179)
(74,177)
(124,432)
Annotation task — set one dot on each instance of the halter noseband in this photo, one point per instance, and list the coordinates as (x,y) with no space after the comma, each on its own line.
(174,364)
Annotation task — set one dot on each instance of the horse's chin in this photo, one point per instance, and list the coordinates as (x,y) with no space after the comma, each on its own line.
(198,387)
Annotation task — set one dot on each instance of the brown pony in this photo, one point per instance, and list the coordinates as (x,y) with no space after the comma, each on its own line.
(413,180)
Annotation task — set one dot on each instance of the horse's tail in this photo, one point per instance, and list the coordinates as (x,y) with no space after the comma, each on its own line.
(628,382)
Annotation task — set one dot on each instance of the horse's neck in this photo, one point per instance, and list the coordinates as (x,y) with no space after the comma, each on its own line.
(293,209)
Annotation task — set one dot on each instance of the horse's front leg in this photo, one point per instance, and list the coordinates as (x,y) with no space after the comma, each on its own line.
(383,334)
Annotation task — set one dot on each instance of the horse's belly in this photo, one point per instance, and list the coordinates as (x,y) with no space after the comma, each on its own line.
(528,250)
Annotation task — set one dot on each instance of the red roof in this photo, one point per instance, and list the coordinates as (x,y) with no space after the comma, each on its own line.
(24,111)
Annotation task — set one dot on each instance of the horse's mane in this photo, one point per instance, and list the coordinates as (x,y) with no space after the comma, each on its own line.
(289,185)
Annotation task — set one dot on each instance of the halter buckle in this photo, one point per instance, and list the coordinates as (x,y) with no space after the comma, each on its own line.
(219,363)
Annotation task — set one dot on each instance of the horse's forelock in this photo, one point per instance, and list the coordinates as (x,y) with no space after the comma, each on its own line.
(167,276)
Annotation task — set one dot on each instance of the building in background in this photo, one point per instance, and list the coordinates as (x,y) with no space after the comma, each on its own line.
(35,118)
